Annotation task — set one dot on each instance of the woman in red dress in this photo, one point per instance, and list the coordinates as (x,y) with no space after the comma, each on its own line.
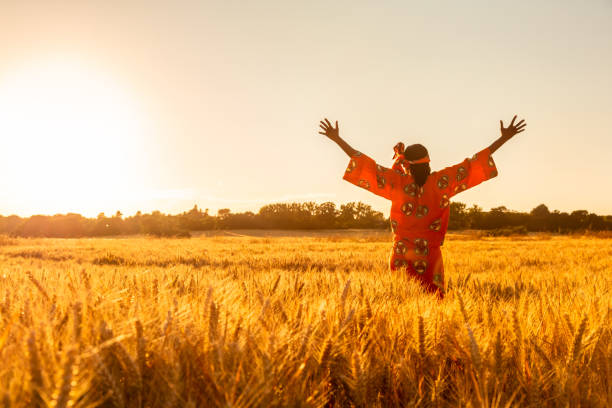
(419,198)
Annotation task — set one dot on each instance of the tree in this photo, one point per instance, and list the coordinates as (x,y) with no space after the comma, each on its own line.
(347,215)
(458,217)
(540,219)
(497,218)
(475,217)
(540,211)
(326,215)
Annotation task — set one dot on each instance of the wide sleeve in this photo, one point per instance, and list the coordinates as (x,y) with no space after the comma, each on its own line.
(467,174)
(365,173)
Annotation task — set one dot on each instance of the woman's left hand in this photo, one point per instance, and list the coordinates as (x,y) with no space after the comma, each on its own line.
(329,130)
(512,129)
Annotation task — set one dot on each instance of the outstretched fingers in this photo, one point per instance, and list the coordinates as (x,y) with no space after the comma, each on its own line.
(513,119)
(516,126)
(326,124)
(327,128)
(520,126)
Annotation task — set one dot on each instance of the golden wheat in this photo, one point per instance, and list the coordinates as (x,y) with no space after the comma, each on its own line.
(304,322)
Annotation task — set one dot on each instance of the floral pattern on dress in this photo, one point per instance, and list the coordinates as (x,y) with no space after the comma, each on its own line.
(460,187)
(411,189)
(408,208)
(399,263)
(436,225)
(461,173)
(444,201)
(380,181)
(400,248)
(351,166)
(421,211)
(420,266)
(393,226)
(443,182)
(421,246)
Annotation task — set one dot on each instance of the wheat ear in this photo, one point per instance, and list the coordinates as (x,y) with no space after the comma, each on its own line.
(63,396)
(36,378)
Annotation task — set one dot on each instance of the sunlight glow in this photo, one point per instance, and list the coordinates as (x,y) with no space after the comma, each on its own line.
(70,137)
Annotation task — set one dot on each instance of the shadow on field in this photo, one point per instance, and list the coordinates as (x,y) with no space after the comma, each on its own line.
(259,233)
(38,254)
(295,263)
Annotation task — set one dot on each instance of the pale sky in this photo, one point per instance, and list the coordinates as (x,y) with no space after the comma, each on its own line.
(145,105)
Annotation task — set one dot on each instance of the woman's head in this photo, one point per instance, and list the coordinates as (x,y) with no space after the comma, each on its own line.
(419,171)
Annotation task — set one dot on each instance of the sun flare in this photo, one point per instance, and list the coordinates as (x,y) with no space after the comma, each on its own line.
(70,136)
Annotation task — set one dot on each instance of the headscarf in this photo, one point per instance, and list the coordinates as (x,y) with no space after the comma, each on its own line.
(401,163)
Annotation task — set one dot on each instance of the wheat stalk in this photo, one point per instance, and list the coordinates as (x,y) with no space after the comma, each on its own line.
(63,394)
(421,337)
(577,343)
(213,323)
(498,355)
(78,320)
(38,285)
(140,349)
(36,377)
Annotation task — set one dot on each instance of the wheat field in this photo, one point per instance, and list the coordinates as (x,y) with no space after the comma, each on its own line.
(303,321)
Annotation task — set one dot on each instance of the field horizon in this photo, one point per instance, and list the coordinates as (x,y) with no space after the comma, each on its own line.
(307,216)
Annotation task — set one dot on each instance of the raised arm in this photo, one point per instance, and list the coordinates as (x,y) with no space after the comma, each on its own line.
(363,171)
(333,133)
(481,167)
(507,133)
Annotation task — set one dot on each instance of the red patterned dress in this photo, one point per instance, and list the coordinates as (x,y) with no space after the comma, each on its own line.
(419,215)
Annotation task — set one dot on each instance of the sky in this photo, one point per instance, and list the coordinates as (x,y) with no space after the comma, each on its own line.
(112,106)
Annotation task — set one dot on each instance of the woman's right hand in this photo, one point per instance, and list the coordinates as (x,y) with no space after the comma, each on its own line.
(329,130)
(333,133)
(508,132)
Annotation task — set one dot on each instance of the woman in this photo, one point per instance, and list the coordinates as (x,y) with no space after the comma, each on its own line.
(419,198)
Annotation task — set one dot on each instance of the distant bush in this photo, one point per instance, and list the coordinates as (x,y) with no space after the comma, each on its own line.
(498,221)
(111,259)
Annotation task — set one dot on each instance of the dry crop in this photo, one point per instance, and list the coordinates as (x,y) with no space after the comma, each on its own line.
(303,321)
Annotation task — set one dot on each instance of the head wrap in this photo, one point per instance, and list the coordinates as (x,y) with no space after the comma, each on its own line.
(421,160)
(399,150)
(404,166)
(399,155)
(399,162)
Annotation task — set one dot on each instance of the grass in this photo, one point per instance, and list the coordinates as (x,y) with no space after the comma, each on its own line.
(247,321)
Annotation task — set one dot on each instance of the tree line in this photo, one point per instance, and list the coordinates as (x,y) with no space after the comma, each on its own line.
(538,219)
(304,216)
